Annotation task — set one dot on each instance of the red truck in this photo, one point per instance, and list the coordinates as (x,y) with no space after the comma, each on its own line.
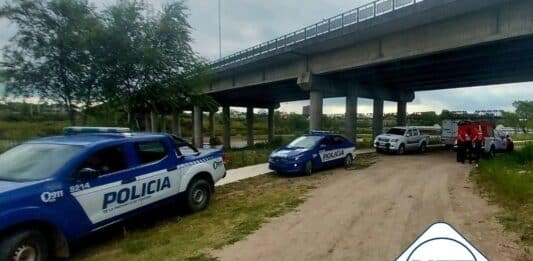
(484,131)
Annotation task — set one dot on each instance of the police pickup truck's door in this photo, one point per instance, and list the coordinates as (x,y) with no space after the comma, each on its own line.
(147,177)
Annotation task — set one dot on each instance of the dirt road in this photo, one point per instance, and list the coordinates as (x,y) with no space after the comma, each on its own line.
(374,214)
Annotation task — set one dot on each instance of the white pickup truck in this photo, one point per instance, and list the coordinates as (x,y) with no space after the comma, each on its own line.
(400,140)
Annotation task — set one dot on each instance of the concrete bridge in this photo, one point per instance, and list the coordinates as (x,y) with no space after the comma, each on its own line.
(386,50)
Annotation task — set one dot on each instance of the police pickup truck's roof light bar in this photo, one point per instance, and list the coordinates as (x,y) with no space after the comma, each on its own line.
(88,130)
(320,132)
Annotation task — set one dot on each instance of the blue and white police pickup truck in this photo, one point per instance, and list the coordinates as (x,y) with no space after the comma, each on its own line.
(308,153)
(57,189)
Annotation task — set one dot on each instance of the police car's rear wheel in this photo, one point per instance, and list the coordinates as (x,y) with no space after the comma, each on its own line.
(309,168)
(25,245)
(198,195)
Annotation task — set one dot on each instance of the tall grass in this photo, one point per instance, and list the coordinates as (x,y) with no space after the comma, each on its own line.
(508,181)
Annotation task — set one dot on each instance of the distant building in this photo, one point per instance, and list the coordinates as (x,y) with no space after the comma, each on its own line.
(489,113)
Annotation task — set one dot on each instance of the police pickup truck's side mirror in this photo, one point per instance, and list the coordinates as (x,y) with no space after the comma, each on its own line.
(88,174)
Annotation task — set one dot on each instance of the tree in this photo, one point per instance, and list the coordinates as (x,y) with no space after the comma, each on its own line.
(524,112)
(150,65)
(50,55)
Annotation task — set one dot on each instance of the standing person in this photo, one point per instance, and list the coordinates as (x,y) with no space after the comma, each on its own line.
(461,148)
(468,146)
(478,139)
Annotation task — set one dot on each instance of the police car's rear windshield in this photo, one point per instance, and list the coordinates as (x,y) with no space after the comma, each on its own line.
(30,162)
(304,142)
(396,131)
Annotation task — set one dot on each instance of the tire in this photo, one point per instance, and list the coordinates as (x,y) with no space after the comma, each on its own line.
(348,161)
(423,148)
(198,195)
(24,245)
(308,171)
(492,152)
(401,149)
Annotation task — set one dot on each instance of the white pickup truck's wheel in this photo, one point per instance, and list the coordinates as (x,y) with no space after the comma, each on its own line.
(422,148)
(401,149)
(24,245)
(198,195)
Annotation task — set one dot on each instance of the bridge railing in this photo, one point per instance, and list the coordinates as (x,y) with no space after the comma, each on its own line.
(362,13)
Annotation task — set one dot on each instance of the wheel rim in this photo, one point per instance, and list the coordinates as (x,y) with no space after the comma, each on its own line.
(402,149)
(423,148)
(348,161)
(198,196)
(25,253)
(308,168)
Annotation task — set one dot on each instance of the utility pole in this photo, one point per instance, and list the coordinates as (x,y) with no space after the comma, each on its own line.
(219,33)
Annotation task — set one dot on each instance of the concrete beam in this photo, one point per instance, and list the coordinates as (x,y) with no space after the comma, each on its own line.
(377,121)
(226,118)
(351,117)
(250,126)
(401,115)
(198,137)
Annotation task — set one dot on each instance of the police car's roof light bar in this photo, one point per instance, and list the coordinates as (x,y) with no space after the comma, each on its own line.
(88,130)
(319,132)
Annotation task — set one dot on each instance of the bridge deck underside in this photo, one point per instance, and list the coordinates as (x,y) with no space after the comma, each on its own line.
(499,62)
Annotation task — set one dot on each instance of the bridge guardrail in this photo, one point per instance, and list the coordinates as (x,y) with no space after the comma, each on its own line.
(359,14)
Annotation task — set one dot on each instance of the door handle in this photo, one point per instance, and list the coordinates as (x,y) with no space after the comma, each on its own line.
(172,169)
(127,181)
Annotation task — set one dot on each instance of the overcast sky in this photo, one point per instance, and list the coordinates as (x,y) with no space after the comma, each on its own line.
(249,22)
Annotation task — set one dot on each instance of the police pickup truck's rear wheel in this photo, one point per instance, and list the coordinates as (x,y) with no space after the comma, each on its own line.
(348,161)
(198,195)
(24,245)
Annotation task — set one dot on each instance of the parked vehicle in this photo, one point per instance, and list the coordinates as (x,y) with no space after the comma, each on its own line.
(492,140)
(401,140)
(57,189)
(449,132)
(312,152)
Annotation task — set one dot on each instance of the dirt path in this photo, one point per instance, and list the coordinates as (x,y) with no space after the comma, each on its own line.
(374,214)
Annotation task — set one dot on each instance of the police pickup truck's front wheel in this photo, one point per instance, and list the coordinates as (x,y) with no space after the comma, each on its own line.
(198,195)
(24,245)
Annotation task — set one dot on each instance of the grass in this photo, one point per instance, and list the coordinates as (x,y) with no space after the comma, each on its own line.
(507,180)
(236,210)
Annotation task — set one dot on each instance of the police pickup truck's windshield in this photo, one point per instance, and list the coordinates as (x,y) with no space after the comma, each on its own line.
(396,131)
(28,162)
(304,142)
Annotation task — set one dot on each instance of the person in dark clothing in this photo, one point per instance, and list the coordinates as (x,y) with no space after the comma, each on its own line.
(469,148)
(461,149)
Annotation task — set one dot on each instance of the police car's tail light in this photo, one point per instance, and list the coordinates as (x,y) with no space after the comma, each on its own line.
(225,158)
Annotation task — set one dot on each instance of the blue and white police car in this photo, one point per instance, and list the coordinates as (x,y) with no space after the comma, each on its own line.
(57,189)
(317,150)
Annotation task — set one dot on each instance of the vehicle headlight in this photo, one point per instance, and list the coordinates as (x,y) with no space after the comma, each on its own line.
(296,158)
(394,140)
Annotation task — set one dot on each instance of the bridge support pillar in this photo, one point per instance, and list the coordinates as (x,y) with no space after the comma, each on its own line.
(401,115)
(198,136)
(212,134)
(226,119)
(351,118)
(250,126)
(316,104)
(377,121)
(271,126)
